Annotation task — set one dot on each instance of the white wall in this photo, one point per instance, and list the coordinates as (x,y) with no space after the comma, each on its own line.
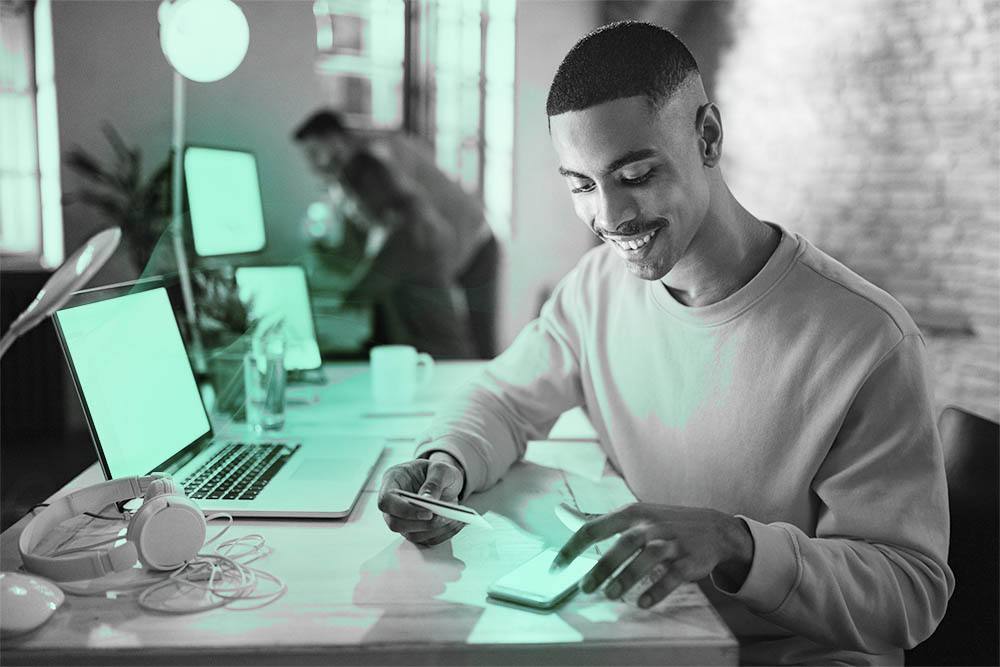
(109,67)
(548,237)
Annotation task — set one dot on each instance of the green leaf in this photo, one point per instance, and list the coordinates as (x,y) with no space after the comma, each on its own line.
(84,164)
(108,204)
(116,141)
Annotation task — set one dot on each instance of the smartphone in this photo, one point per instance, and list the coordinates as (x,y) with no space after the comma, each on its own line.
(532,585)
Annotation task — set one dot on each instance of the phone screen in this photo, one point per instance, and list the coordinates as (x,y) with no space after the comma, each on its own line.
(532,584)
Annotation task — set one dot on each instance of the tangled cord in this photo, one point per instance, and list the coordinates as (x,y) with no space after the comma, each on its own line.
(223,576)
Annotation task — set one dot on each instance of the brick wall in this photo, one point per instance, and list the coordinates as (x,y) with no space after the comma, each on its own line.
(871,127)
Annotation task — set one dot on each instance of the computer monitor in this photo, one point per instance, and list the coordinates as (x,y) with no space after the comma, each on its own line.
(281,293)
(223,191)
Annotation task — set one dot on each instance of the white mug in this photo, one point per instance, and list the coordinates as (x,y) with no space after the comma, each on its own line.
(397,372)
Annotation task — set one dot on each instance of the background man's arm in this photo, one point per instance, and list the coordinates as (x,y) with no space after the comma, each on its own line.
(407,241)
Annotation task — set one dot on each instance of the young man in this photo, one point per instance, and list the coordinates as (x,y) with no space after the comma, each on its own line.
(424,239)
(767,407)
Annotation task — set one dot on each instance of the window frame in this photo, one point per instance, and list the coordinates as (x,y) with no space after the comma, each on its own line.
(35,83)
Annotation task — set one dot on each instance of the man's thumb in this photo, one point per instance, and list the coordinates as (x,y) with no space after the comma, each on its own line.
(432,484)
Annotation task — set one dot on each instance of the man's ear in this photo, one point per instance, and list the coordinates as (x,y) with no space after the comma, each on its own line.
(708,125)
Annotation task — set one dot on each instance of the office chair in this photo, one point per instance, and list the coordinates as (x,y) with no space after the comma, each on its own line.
(968,634)
(480,282)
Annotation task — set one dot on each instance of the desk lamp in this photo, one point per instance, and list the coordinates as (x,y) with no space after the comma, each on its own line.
(205,41)
(69,277)
(21,593)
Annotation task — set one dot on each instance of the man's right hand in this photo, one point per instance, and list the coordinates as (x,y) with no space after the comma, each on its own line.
(439,477)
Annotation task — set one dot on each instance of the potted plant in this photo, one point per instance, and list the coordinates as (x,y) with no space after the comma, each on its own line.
(226,329)
(139,206)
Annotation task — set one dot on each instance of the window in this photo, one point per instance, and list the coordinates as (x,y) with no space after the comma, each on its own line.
(30,209)
(361,58)
(440,68)
(498,121)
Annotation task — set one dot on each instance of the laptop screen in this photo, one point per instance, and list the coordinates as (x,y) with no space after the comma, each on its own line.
(223,191)
(281,292)
(134,378)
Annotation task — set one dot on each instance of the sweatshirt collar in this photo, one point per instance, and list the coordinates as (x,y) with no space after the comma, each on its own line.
(741,300)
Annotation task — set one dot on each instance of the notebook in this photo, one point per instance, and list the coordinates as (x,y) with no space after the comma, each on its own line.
(145,414)
(281,292)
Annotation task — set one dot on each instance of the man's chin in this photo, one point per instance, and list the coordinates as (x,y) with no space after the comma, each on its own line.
(645,270)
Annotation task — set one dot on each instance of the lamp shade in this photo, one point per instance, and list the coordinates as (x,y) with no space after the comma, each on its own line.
(204,40)
(71,275)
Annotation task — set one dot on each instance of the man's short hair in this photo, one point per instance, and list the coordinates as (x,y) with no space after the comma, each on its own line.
(321,123)
(622,59)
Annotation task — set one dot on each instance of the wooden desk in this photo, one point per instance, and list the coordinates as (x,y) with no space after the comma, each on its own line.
(360,594)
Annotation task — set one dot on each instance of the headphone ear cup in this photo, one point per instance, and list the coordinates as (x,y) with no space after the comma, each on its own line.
(161,486)
(167,531)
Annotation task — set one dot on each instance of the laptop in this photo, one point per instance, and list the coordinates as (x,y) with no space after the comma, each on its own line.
(281,292)
(145,415)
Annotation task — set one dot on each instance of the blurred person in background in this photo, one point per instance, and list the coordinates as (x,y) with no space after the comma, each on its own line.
(406,238)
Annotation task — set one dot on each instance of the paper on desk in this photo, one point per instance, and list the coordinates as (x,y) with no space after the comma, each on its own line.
(487,556)
(592,497)
(571,517)
(573,425)
(580,457)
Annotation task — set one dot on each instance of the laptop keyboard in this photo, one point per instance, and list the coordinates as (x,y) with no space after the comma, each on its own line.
(240,471)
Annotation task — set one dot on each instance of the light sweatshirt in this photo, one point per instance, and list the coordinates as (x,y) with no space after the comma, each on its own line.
(799,403)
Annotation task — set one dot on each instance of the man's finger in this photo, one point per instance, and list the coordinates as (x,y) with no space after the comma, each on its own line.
(591,533)
(675,576)
(435,535)
(439,539)
(631,540)
(390,503)
(645,569)
(398,525)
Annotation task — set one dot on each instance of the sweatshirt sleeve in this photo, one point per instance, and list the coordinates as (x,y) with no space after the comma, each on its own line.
(518,396)
(875,577)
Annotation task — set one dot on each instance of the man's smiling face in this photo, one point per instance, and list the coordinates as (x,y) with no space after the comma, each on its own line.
(636,178)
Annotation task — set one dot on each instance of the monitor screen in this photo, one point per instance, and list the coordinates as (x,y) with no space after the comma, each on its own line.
(281,292)
(223,192)
(134,379)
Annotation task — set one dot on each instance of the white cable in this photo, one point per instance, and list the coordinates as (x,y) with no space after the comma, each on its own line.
(229,578)
(212,517)
(222,576)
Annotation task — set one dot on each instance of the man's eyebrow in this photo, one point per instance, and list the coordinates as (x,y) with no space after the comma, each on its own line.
(567,172)
(628,158)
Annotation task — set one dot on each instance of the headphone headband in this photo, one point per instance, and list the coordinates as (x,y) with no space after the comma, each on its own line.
(85,565)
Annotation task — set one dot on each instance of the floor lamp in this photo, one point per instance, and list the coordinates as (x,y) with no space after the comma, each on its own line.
(204,41)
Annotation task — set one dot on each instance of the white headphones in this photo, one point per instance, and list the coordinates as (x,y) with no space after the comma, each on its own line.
(165,532)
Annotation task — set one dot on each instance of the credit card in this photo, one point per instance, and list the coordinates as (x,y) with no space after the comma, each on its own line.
(443,508)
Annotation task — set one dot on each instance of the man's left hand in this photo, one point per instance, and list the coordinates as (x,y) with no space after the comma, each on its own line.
(672,546)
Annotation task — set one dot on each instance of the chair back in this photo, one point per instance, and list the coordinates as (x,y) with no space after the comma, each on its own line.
(968,633)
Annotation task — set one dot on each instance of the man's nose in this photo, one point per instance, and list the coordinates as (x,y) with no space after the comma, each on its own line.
(614,209)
